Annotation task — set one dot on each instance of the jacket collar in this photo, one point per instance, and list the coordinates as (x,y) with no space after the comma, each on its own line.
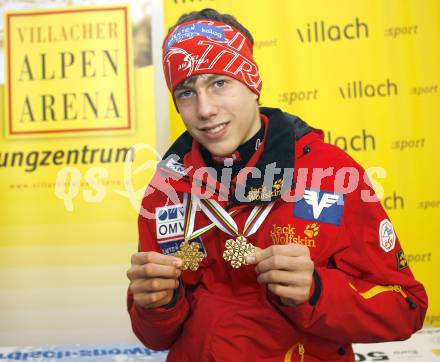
(183,163)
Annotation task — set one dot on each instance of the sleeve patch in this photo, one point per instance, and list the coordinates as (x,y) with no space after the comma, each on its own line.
(402,261)
(387,236)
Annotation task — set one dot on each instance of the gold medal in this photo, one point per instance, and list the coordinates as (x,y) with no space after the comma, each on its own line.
(237,250)
(190,255)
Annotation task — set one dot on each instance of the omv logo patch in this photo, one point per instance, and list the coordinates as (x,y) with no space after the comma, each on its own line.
(169,221)
(320,206)
(170,213)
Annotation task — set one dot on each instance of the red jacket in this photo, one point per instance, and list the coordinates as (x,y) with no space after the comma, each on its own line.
(363,289)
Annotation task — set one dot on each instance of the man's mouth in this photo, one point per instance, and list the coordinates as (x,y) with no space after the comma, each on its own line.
(214,129)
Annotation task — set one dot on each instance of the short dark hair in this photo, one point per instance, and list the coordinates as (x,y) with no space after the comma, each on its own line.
(211,14)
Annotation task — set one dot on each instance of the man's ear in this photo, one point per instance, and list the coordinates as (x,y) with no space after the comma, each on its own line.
(257,99)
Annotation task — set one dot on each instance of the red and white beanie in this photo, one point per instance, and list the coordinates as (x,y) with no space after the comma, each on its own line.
(209,47)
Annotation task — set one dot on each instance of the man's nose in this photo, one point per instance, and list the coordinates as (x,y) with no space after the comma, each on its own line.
(206,105)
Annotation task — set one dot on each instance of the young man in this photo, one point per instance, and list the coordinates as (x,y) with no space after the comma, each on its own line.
(267,255)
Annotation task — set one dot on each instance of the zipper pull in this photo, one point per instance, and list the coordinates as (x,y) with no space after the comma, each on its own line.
(301,351)
(399,289)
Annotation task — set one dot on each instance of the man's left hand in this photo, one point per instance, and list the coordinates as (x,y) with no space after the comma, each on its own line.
(287,270)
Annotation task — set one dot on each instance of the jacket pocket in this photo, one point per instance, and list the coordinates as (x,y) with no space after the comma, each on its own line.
(378,289)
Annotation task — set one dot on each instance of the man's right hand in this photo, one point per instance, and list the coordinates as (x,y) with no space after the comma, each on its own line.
(153,278)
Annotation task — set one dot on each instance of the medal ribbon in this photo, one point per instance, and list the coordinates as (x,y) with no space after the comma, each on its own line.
(219,216)
(190,215)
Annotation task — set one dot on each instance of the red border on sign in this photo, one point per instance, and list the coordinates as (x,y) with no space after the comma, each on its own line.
(11,131)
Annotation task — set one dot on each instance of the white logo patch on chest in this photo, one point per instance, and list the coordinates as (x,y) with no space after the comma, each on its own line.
(169,221)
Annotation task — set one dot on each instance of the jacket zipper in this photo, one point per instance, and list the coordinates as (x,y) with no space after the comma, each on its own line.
(301,352)
(377,289)
(398,288)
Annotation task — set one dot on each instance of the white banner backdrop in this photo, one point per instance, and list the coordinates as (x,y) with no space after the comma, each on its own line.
(423,346)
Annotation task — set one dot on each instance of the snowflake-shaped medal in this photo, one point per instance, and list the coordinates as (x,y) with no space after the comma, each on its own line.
(237,250)
(190,255)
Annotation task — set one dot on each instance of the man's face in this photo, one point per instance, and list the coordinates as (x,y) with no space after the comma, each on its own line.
(220,112)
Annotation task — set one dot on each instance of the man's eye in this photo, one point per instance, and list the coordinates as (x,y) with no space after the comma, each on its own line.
(184,94)
(220,83)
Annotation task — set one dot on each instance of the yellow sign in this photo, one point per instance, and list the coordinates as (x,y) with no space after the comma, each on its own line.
(68,71)
(70,195)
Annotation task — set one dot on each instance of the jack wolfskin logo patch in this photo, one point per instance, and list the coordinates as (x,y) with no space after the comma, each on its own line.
(263,193)
(311,230)
(287,234)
